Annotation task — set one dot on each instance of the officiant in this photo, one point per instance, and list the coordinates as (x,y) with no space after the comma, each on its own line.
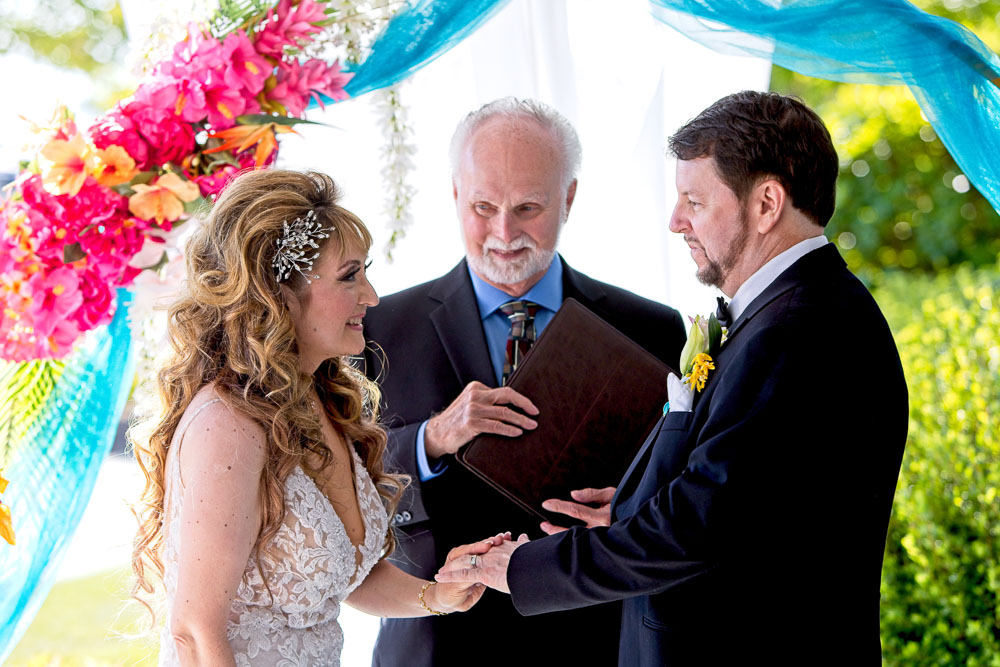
(442,352)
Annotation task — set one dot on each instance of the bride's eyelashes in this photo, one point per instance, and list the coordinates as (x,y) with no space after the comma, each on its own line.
(351,274)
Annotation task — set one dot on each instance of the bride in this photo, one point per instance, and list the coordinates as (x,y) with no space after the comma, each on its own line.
(266,500)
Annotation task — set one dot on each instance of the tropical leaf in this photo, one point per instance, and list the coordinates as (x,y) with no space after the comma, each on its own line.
(714,335)
(24,389)
(235,14)
(263,119)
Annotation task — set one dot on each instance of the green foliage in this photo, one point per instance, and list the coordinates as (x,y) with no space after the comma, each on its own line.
(24,389)
(86,623)
(902,202)
(86,35)
(83,34)
(231,15)
(941,575)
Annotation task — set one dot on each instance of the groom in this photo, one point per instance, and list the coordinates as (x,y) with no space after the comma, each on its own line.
(750,529)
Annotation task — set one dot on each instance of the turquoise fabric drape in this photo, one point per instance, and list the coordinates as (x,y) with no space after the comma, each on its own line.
(52,471)
(416,36)
(954,76)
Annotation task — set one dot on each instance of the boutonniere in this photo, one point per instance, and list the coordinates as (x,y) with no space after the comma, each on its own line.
(697,360)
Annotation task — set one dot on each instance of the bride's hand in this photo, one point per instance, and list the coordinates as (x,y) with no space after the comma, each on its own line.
(461,596)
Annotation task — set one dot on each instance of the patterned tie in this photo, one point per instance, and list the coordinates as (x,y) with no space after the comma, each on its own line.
(522,333)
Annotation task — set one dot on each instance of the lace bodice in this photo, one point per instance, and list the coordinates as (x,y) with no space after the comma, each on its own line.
(310,566)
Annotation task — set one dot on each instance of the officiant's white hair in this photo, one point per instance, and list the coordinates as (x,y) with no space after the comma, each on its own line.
(513,108)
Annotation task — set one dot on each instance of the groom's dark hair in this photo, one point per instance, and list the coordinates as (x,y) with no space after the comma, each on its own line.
(753,136)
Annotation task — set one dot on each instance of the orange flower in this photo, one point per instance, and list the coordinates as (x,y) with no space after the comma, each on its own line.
(162,201)
(114,166)
(65,165)
(6,524)
(242,137)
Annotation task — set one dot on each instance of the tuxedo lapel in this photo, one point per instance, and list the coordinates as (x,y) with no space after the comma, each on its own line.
(629,480)
(460,329)
(674,430)
(822,259)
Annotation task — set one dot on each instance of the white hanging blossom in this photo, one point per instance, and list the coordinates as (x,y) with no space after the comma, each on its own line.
(397,154)
(158,28)
(353,28)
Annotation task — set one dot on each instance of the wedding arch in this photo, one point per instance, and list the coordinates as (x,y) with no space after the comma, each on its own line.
(95,211)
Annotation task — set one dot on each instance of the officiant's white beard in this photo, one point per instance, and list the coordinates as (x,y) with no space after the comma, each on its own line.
(507,272)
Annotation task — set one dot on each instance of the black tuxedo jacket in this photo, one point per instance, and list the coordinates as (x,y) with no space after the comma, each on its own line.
(751,530)
(433,343)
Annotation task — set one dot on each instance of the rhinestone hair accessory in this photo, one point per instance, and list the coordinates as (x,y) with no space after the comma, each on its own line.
(297,238)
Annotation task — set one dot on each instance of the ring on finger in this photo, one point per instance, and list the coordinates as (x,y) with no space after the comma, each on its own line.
(472,560)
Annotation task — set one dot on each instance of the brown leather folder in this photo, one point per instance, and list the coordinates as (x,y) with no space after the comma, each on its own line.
(598,393)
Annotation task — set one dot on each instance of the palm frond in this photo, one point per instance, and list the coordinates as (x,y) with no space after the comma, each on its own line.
(24,389)
(235,14)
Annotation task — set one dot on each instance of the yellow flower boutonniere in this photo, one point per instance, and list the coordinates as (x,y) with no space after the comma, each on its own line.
(700,350)
(697,359)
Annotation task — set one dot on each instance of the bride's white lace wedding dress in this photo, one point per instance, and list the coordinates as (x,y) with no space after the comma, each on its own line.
(310,566)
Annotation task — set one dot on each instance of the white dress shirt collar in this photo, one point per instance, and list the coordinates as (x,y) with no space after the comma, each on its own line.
(765,275)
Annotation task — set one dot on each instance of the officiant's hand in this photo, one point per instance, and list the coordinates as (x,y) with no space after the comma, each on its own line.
(462,595)
(478,409)
(490,568)
(593,507)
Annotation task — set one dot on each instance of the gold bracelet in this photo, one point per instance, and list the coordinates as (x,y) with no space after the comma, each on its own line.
(423,589)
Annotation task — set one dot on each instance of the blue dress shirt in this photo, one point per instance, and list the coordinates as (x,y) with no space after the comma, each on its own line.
(547,293)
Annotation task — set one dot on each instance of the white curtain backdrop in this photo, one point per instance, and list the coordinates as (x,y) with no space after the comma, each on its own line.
(624,80)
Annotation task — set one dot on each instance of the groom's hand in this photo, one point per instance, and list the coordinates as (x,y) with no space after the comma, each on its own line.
(478,409)
(491,568)
(461,596)
(593,507)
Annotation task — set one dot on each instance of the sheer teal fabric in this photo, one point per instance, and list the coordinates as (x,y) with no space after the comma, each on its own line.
(953,75)
(53,470)
(416,36)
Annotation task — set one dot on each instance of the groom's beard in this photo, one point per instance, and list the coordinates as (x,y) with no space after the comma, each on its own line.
(715,272)
(510,272)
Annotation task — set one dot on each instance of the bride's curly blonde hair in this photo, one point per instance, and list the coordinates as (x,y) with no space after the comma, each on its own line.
(231,329)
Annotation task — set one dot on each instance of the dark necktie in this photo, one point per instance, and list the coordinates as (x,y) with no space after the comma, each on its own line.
(522,333)
(722,312)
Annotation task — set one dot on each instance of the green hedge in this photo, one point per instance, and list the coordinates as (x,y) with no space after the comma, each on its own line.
(941,576)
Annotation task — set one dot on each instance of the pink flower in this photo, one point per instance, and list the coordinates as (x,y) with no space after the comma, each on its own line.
(15,292)
(117,128)
(46,220)
(200,66)
(297,83)
(18,240)
(289,24)
(93,205)
(170,137)
(212,184)
(322,79)
(55,295)
(38,198)
(160,92)
(98,301)
(112,245)
(249,69)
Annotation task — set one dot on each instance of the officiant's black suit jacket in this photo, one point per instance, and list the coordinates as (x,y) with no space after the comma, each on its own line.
(751,530)
(433,341)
